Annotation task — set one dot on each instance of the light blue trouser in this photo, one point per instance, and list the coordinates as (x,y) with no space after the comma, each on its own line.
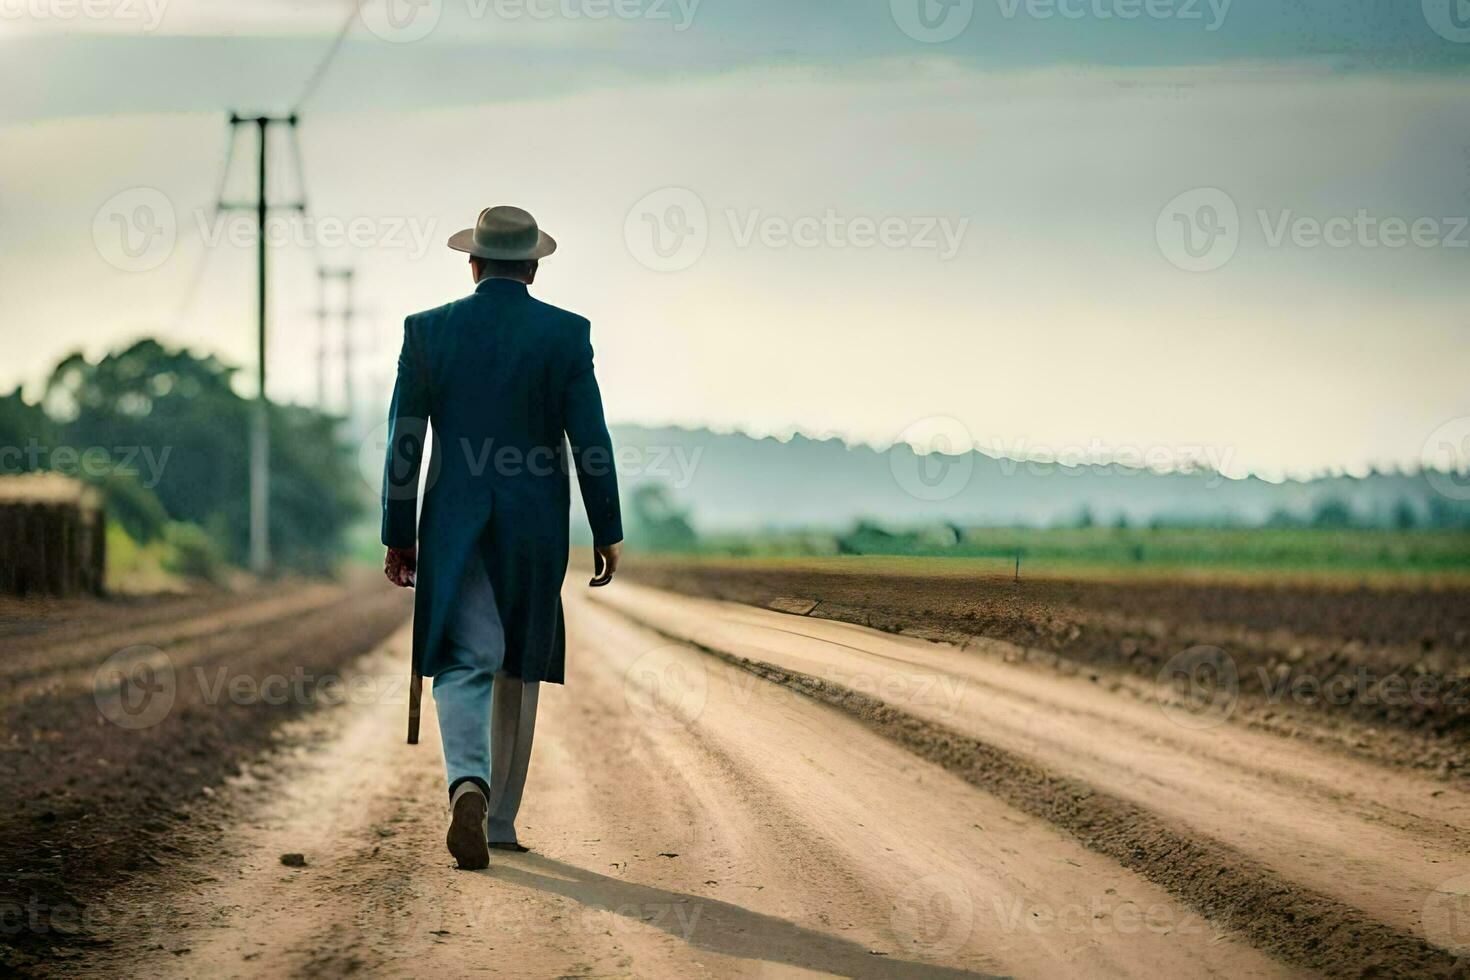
(486,717)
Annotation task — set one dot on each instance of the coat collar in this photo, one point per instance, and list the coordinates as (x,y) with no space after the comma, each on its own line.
(495,286)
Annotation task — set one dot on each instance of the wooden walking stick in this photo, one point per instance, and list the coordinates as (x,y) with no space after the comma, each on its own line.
(415,687)
(415,699)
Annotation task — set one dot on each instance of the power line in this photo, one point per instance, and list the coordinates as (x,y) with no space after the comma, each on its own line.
(326,63)
(201,266)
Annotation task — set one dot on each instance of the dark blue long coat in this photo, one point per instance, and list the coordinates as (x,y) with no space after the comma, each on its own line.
(502,377)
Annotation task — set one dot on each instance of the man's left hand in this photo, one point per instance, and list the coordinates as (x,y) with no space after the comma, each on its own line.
(400,565)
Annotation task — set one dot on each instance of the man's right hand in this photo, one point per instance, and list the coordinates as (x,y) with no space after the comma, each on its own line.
(607,563)
(400,565)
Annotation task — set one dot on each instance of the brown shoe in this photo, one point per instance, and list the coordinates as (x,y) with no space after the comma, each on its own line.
(466,837)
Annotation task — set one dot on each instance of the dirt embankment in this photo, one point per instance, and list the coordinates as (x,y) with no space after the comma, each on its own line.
(118,712)
(1384,671)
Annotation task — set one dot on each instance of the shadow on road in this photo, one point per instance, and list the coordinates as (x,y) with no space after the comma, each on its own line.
(715,926)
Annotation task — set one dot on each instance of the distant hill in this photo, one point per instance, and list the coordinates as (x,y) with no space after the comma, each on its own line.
(733,482)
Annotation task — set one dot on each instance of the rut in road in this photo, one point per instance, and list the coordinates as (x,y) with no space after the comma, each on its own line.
(1301,924)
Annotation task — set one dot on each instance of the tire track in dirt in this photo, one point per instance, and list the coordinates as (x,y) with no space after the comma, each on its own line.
(1293,922)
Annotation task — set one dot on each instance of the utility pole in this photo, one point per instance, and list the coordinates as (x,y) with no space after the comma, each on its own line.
(344,275)
(260,544)
(321,341)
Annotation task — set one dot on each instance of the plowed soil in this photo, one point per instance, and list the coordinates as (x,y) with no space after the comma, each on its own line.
(1382,671)
(91,802)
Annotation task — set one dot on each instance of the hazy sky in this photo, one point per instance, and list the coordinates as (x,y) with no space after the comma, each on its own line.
(1126,224)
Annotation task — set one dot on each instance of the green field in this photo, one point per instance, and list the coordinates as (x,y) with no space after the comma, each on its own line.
(1173,552)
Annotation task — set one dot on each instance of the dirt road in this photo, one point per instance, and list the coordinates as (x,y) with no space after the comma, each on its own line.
(746,806)
(743,805)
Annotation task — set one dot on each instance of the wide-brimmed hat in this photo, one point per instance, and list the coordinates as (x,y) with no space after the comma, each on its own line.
(504,232)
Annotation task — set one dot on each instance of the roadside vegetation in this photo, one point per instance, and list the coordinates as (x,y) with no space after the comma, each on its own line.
(162,434)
